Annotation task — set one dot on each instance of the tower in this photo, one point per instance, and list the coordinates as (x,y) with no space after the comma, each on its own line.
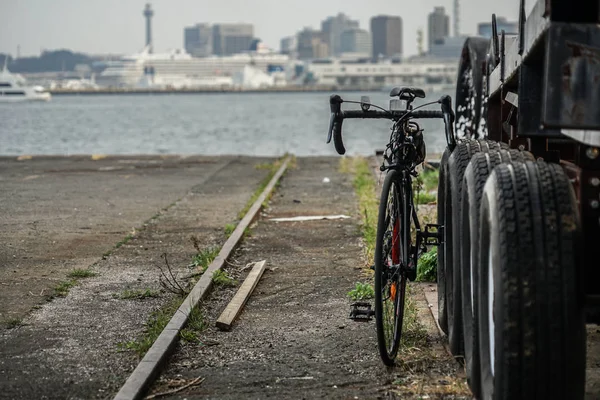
(148,13)
(456,18)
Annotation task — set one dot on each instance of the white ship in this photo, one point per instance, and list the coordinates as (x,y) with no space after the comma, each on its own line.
(179,69)
(14,88)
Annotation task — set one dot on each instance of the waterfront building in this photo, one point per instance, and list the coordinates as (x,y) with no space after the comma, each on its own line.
(232,38)
(386,33)
(438,26)
(431,75)
(332,29)
(289,45)
(198,40)
(311,44)
(485,28)
(448,48)
(357,41)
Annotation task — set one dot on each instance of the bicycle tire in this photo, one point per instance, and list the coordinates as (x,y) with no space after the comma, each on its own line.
(390,283)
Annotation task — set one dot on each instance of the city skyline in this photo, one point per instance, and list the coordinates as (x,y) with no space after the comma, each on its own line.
(115,27)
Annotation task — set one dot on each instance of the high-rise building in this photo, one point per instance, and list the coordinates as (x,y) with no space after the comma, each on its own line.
(232,38)
(332,29)
(439,26)
(289,45)
(386,33)
(356,41)
(485,28)
(311,44)
(198,40)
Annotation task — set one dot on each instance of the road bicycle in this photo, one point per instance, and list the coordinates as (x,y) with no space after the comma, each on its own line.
(396,252)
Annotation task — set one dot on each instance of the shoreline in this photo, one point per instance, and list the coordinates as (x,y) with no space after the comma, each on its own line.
(285,89)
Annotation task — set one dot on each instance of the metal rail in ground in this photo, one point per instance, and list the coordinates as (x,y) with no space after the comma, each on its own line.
(141,378)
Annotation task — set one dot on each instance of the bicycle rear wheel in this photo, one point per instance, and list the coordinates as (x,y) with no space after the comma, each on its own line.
(390,255)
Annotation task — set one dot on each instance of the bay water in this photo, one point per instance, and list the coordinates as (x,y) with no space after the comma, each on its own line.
(259,124)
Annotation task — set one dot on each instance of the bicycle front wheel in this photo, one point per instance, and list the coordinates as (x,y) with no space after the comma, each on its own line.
(390,256)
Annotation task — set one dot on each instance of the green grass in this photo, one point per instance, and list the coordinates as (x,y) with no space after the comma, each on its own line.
(12,323)
(414,334)
(62,289)
(220,278)
(430,178)
(203,259)
(81,273)
(361,291)
(365,188)
(196,324)
(425,186)
(229,228)
(124,241)
(154,326)
(425,197)
(427,266)
(159,319)
(137,294)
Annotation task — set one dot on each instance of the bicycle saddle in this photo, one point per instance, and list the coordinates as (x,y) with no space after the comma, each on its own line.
(407,93)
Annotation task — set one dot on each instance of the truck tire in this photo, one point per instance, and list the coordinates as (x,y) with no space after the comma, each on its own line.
(457,163)
(469,87)
(441,276)
(531,314)
(479,169)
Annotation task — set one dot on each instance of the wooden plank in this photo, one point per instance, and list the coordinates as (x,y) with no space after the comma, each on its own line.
(234,307)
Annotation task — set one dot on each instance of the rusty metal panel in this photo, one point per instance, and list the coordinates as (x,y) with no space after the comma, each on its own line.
(572,77)
(535,27)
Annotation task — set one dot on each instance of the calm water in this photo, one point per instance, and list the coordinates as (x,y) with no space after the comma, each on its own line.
(209,124)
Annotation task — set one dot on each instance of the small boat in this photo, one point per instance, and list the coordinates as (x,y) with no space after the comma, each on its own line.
(14,88)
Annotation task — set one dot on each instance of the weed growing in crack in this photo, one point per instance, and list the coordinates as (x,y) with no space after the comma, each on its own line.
(229,228)
(220,278)
(137,294)
(158,320)
(81,273)
(12,323)
(169,281)
(62,289)
(202,260)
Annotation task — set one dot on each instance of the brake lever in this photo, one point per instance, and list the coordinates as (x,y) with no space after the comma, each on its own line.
(335,106)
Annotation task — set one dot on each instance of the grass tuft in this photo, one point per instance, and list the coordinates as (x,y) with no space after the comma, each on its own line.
(229,228)
(159,319)
(203,259)
(220,278)
(62,289)
(136,294)
(12,323)
(124,241)
(361,291)
(365,188)
(81,273)
(425,186)
(427,266)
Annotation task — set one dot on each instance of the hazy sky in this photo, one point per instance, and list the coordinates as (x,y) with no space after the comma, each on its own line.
(117,26)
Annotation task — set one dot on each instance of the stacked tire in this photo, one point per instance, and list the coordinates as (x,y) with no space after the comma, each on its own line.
(510,298)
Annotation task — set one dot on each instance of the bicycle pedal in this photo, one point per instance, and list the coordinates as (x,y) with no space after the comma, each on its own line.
(433,235)
(361,311)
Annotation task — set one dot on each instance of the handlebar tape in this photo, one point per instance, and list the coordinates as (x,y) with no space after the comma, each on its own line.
(337,136)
